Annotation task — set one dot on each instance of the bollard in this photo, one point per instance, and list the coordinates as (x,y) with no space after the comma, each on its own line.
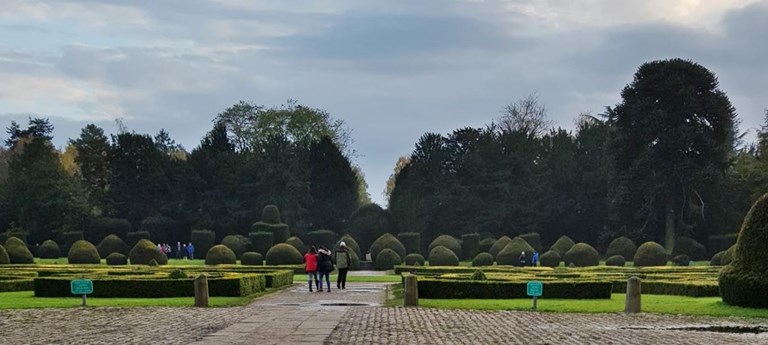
(633,296)
(201,291)
(411,291)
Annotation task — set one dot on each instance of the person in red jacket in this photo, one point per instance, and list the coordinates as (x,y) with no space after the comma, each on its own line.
(310,265)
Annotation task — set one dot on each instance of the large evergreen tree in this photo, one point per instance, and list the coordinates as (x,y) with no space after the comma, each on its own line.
(93,160)
(333,185)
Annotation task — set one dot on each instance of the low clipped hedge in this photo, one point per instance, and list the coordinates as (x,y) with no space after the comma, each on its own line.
(112,244)
(16,283)
(252,259)
(442,256)
(411,241)
(49,250)
(220,255)
(446,241)
(622,246)
(231,285)
(482,259)
(491,289)
(283,254)
(582,255)
(117,259)
(17,251)
(414,259)
(83,252)
(262,241)
(616,260)
(470,246)
(550,259)
(236,243)
(671,288)
(387,259)
(650,254)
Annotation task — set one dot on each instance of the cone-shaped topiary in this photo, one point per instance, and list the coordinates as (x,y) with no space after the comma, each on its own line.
(550,259)
(533,239)
(744,282)
(727,256)
(446,241)
(387,259)
(116,259)
(351,244)
(470,245)
(681,260)
(510,255)
(283,254)
(562,245)
(616,260)
(717,259)
(326,238)
(83,252)
(111,244)
(412,259)
(650,254)
(18,253)
(234,243)
(498,245)
(582,255)
(144,252)
(482,259)
(220,255)
(4,260)
(296,243)
(252,259)
(442,256)
(386,241)
(622,246)
(262,241)
(485,245)
(270,222)
(690,247)
(49,250)
(411,241)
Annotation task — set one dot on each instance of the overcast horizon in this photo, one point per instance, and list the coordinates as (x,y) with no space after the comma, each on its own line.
(391,70)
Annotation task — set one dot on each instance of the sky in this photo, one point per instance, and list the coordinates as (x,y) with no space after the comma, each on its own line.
(392,70)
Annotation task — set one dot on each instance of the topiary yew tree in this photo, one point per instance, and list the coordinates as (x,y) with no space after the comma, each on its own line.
(18,251)
(386,241)
(270,222)
(83,252)
(744,282)
(4,259)
(49,250)
(510,255)
(446,241)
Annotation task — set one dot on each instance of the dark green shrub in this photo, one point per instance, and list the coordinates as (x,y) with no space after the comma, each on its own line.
(744,282)
(83,252)
(681,260)
(14,231)
(510,255)
(411,241)
(18,253)
(470,246)
(485,245)
(326,238)
(533,239)
(116,259)
(502,289)
(720,243)
(690,247)
(384,242)
(111,244)
(133,238)
(144,252)
(153,262)
(498,245)
(252,259)
(478,275)
(616,260)
(49,250)
(70,237)
(283,254)
(482,259)
(717,259)
(296,243)
(368,223)
(203,240)
(550,259)
(178,274)
(387,259)
(442,256)
(622,246)
(446,241)
(650,254)
(261,242)
(413,258)
(4,259)
(270,214)
(101,227)
(270,222)
(220,255)
(355,261)
(727,256)
(562,245)
(162,229)
(351,244)
(582,255)
(235,243)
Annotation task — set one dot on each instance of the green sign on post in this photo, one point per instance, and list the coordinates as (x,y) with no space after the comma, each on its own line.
(535,288)
(82,287)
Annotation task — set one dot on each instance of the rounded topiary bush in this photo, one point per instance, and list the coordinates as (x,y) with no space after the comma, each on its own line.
(681,260)
(4,259)
(386,241)
(413,259)
(485,245)
(261,242)
(482,259)
(49,250)
(498,245)
(83,252)
(116,259)
(478,275)
(533,239)
(411,241)
(582,255)
(510,255)
(616,260)
(252,259)
(220,255)
(144,252)
(283,254)
(351,244)
(470,246)
(562,245)
(18,253)
(550,259)
(236,244)
(727,256)
(446,241)
(744,282)
(622,246)
(690,247)
(717,259)
(111,244)
(442,256)
(387,259)
(650,254)
(296,243)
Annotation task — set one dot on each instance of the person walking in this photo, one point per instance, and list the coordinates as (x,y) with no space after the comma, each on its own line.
(178,249)
(310,266)
(535,259)
(191,251)
(324,267)
(522,259)
(342,260)
(184,251)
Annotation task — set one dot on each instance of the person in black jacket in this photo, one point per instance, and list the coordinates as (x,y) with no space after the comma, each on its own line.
(324,267)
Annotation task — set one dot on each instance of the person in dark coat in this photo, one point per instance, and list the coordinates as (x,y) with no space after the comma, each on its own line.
(324,267)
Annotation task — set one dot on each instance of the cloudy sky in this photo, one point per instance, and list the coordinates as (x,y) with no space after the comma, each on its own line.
(392,70)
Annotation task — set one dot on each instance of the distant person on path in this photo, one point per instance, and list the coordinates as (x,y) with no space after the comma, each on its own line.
(310,266)
(184,251)
(522,259)
(191,250)
(535,259)
(324,267)
(178,249)
(342,261)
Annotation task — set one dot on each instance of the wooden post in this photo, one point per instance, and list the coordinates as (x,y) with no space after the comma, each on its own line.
(411,291)
(201,291)
(633,301)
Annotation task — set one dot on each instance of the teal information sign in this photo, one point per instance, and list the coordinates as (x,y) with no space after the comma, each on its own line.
(535,288)
(81,287)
